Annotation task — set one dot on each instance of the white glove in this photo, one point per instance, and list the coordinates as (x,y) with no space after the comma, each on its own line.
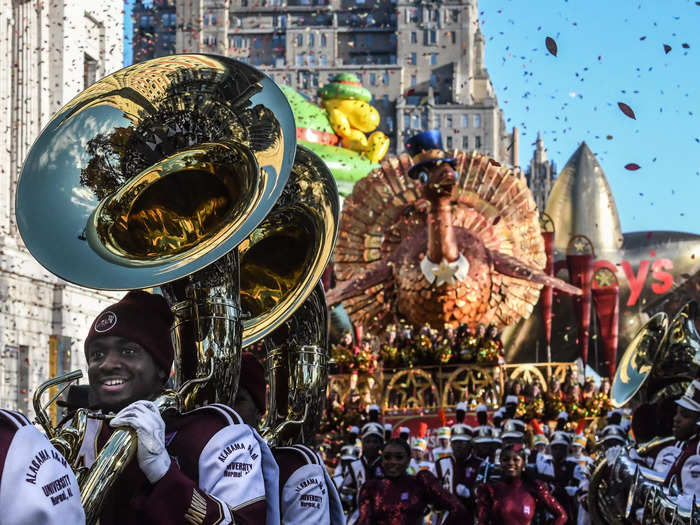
(462,490)
(144,418)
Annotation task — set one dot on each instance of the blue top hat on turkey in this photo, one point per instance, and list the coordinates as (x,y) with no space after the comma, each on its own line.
(426,151)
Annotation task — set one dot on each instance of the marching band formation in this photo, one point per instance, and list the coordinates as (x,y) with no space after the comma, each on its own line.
(195,188)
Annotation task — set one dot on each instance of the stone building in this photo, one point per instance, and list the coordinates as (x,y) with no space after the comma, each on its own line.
(540,174)
(423,62)
(154,29)
(49,52)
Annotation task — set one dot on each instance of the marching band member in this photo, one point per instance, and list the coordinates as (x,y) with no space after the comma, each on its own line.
(366,468)
(443,449)
(419,457)
(399,498)
(307,493)
(612,436)
(513,499)
(195,467)
(37,485)
(388,429)
(348,454)
(685,429)
(539,445)
(404,433)
(578,483)
(457,473)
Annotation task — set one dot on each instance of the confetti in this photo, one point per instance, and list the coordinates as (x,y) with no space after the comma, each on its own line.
(632,166)
(551,45)
(667,48)
(627,110)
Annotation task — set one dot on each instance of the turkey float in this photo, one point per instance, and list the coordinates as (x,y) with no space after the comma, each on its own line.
(440,238)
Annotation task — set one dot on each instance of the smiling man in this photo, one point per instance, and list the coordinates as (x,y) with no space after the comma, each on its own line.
(205,466)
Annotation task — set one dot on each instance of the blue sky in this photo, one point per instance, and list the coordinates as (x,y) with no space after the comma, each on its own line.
(608,52)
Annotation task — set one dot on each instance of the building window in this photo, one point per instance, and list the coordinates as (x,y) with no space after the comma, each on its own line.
(372,79)
(413,80)
(453,34)
(448,121)
(89,71)
(390,124)
(424,121)
(455,15)
(300,39)
(433,59)
(300,59)
(415,121)
(237,42)
(323,40)
(413,59)
(414,37)
(433,80)
(312,60)
(477,121)
(465,142)
(437,121)
(311,40)
(322,60)
(448,141)
(385,79)
(465,121)
(477,142)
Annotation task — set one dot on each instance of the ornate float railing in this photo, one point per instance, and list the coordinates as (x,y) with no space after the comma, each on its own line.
(429,388)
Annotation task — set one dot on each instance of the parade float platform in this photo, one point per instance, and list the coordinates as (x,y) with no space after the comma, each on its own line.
(429,394)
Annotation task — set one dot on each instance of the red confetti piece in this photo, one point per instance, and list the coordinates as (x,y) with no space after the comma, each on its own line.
(632,166)
(667,48)
(551,45)
(626,110)
(685,46)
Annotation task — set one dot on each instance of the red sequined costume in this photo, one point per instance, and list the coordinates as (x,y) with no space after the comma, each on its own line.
(402,501)
(513,503)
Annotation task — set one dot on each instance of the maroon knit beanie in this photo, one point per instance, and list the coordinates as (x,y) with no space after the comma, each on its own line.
(140,317)
(253,380)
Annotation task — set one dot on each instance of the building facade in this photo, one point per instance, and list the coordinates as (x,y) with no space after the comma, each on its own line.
(49,52)
(540,174)
(422,61)
(154,29)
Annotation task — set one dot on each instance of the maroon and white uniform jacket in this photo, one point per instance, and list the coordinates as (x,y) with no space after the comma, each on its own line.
(686,450)
(459,478)
(221,472)
(359,472)
(37,484)
(307,492)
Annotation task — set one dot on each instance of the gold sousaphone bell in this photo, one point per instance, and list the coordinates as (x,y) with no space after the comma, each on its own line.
(661,359)
(165,174)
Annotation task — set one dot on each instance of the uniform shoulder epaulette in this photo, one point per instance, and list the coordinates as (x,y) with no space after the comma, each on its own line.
(14,419)
(229,415)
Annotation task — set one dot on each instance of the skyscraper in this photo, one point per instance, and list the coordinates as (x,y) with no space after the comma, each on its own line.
(540,174)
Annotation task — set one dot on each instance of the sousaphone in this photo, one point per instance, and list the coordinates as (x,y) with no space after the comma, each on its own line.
(660,360)
(159,175)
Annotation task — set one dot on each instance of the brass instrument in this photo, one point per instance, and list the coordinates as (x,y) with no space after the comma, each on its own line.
(297,370)
(662,358)
(619,487)
(155,176)
(613,484)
